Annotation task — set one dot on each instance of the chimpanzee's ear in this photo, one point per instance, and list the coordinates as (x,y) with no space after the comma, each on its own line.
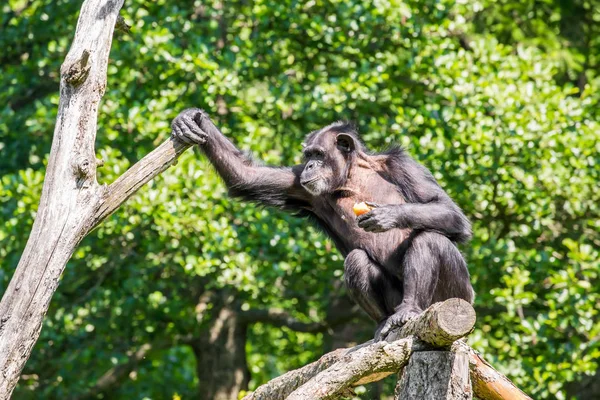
(345,143)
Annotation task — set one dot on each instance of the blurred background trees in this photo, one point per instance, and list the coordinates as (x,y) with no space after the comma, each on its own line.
(185,293)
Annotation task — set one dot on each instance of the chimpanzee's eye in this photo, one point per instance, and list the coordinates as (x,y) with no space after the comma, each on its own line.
(318,155)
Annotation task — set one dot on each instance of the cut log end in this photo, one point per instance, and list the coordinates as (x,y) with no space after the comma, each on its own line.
(456,317)
(440,325)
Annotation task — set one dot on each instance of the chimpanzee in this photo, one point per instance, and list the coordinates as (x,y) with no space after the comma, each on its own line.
(400,257)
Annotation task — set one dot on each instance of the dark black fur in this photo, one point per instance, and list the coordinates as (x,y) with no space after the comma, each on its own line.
(401,256)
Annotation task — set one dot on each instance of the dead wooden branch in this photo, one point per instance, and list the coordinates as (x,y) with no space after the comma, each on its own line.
(280,387)
(137,176)
(440,326)
(72,201)
(489,384)
(372,361)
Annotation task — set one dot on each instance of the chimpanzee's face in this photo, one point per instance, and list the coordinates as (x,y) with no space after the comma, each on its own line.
(325,161)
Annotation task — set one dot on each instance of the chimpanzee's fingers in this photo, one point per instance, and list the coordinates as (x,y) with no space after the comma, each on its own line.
(362,218)
(372,227)
(177,127)
(365,216)
(178,133)
(364,221)
(191,124)
(371,204)
(194,132)
(174,132)
(187,132)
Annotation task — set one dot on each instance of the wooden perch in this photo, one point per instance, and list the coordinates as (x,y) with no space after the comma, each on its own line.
(280,387)
(436,375)
(337,370)
(441,325)
(72,201)
(377,359)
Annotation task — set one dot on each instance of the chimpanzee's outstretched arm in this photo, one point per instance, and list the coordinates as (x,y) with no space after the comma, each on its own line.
(428,206)
(272,186)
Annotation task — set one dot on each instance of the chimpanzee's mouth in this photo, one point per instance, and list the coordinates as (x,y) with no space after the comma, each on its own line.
(309,182)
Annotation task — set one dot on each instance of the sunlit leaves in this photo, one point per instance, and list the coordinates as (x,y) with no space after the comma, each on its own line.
(487,94)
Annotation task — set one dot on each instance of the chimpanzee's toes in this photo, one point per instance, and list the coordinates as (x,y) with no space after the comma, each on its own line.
(392,322)
(377,337)
(404,313)
(396,320)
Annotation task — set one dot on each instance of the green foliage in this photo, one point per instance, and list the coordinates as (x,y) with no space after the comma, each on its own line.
(498,98)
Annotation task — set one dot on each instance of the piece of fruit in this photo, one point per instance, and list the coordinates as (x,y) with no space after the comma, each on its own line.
(361,208)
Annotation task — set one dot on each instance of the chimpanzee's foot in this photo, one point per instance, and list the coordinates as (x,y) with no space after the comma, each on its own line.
(403,313)
(380,326)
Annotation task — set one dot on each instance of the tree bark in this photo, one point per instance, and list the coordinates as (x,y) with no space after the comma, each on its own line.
(221,358)
(436,375)
(72,201)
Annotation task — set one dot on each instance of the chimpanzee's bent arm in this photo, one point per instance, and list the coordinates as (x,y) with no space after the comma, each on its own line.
(272,186)
(444,218)
(441,217)
(428,207)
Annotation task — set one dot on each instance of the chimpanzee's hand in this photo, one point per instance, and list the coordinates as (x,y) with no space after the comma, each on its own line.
(187,126)
(380,218)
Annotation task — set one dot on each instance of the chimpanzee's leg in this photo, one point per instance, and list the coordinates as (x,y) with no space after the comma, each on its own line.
(454,280)
(372,289)
(432,270)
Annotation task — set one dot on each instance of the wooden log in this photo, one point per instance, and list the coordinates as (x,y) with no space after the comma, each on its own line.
(280,387)
(447,321)
(135,177)
(436,375)
(440,325)
(489,384)
(377,358)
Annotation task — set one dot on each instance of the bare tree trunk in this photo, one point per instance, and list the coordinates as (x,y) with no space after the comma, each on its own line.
(221,358)
(72,201)
(70,191)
